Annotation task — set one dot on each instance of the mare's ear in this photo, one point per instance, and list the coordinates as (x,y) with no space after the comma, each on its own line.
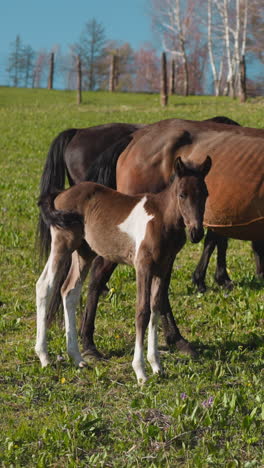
(179,167)
(206,166)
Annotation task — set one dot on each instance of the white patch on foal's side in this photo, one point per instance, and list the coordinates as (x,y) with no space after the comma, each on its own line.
(135,224)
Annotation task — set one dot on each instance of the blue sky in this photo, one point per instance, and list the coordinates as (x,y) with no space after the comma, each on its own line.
(43,24)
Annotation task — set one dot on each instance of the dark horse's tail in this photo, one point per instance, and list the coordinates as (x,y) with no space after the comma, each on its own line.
(52,180)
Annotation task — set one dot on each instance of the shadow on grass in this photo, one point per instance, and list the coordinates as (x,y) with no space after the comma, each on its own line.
(253,283)
(252,342)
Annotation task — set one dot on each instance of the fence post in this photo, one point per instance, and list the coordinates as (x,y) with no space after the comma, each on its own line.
(113,79)
(243,79)
(164,84)
(79,80)
(51,71)
(172,77)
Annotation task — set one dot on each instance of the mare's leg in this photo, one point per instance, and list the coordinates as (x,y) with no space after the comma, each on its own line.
(155,306)
(70,292)
(142,317)
(101,271)
(198,276)
(258,249)
(221,275)
(44,291)
(171,331)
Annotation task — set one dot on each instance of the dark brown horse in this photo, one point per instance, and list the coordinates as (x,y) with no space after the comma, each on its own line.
(73,152)
(163,140)
(145,231)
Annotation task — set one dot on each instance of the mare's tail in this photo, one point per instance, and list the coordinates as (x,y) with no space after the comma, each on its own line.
(52,180)
(103,169)
(65,220)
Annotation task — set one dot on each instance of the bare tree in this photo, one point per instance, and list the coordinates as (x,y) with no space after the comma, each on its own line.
(28,58)
(147,70)
(90,48)
(40,70)
(15,61)
(216,72)
(124,66)
(227,36)
(174,20)
(20,63)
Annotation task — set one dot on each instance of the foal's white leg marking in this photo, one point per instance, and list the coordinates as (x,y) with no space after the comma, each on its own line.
(138,362)
(153,353)
(135,224)
(70,298)
(70,302)
(43,292)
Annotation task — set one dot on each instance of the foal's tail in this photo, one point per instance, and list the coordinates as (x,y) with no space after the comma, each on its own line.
(52,180)
(65,220)
(52,217)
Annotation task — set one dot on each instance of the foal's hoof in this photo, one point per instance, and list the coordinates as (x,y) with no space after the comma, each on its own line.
(93,353)
(82,364)
(186,348)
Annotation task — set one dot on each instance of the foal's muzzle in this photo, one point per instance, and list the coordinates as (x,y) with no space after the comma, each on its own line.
(196,234)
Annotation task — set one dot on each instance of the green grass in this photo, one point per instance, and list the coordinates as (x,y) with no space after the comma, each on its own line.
(203,413)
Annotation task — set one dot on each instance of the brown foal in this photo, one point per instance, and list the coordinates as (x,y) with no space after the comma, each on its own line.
(145,231)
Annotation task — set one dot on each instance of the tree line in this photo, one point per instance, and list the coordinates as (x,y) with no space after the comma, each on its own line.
(198,36)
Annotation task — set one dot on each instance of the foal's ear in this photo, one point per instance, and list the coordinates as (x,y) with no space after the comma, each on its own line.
(206,166)
(179,167)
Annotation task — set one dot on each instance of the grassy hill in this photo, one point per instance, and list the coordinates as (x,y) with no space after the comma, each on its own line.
(208,412)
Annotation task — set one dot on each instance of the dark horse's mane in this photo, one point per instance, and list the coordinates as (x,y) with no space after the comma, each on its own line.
(103,169)
(222,119)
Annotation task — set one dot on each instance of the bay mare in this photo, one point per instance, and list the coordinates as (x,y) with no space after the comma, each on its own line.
(145,231)
(144,163)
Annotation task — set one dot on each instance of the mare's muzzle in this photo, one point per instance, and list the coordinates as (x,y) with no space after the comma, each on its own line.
(196,234)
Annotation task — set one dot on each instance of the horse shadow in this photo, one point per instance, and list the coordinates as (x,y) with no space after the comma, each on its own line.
(254,283)
(220,351)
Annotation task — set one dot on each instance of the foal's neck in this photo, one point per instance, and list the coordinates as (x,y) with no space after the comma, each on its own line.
(169,205)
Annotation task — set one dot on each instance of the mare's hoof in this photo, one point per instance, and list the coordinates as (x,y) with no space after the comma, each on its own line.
(225,283)
(92,352)
(104,291)
(228,285)
(201,288)
(186,348)
(200,284)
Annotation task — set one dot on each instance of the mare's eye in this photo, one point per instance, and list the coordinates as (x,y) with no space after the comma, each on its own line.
(182,195)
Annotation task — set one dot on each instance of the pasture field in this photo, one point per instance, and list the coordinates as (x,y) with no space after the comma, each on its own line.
(207,412)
